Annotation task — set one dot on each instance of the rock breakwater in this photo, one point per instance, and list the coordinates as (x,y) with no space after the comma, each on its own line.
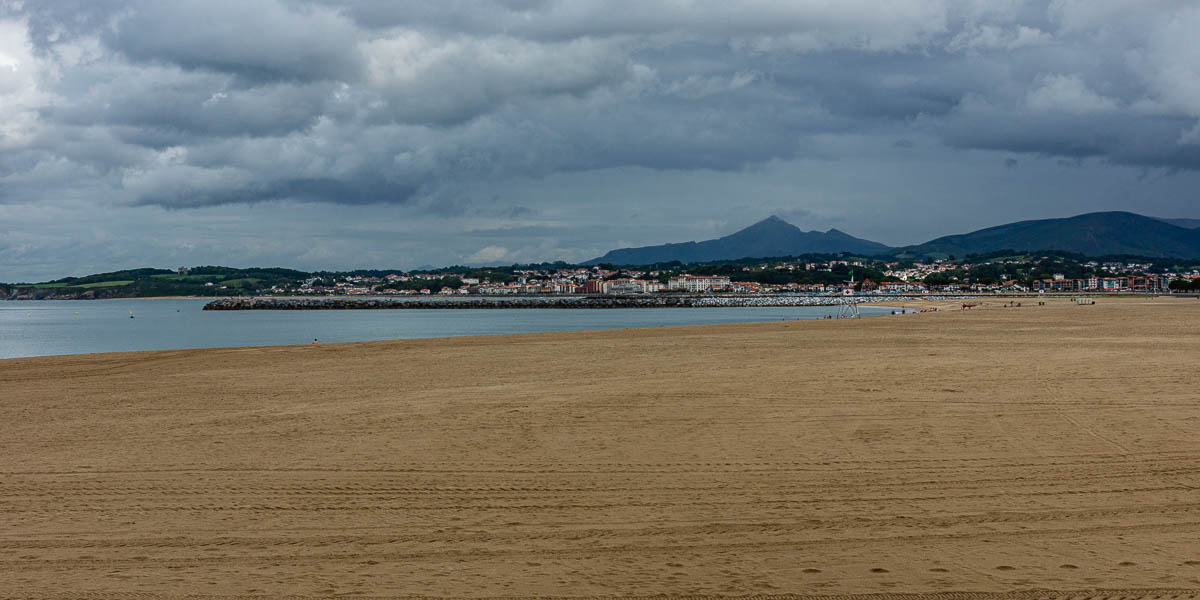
(357,303)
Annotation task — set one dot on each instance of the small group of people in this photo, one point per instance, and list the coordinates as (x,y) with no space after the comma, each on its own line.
(905,311)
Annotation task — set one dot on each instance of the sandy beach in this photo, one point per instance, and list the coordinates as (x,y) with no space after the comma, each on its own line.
(991,453)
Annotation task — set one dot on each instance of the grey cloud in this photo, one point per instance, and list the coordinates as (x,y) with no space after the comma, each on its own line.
(257,39)
(434,108)
(516,212)
(62,21)
(754,24)
(387,102)
(446,81)
(189,187)
(178,107)
(1133,140)
(524,232)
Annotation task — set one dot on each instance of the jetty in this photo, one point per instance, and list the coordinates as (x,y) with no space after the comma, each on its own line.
(476,302)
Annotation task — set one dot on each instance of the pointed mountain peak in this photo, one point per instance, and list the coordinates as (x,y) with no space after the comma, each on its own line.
(771,222)
(769,237)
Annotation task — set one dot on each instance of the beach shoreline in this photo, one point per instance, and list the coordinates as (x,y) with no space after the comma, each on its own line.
(997,452)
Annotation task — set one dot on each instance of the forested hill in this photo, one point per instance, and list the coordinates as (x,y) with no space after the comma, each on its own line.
(141,283)
(1092,234)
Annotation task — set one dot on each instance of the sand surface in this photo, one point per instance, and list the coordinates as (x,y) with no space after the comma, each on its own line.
(996,452)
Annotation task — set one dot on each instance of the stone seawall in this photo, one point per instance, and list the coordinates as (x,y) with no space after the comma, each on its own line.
(353,303)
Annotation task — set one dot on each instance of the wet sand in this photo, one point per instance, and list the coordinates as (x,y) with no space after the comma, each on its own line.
(992,453)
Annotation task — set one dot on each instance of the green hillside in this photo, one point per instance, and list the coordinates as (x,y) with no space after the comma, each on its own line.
(1092,234)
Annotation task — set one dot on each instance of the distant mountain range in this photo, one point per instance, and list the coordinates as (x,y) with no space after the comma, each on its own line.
(1092,234)
(770,237)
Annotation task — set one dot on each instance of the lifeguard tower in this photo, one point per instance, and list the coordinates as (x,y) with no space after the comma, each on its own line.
(847,302)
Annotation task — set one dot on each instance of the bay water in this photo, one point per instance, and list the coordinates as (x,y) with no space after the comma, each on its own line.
(49,327)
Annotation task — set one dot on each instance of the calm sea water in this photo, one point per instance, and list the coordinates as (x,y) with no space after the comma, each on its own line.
(40,328)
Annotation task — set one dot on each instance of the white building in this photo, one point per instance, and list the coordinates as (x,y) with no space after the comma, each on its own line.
(623,286)
(699,283)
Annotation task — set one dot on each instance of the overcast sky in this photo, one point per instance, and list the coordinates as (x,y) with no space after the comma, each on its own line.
(332,134)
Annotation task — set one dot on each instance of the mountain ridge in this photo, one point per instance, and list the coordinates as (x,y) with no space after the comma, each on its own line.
(1090,234)
(769,237)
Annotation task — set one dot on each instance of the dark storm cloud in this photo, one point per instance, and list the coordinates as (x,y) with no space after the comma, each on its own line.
(257,40)
(1132,140)
(185,193)
(434,106)
(188,107)
(383,101)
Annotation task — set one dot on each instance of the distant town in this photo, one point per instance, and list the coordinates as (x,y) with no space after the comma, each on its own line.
(814,274)
(897,278)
